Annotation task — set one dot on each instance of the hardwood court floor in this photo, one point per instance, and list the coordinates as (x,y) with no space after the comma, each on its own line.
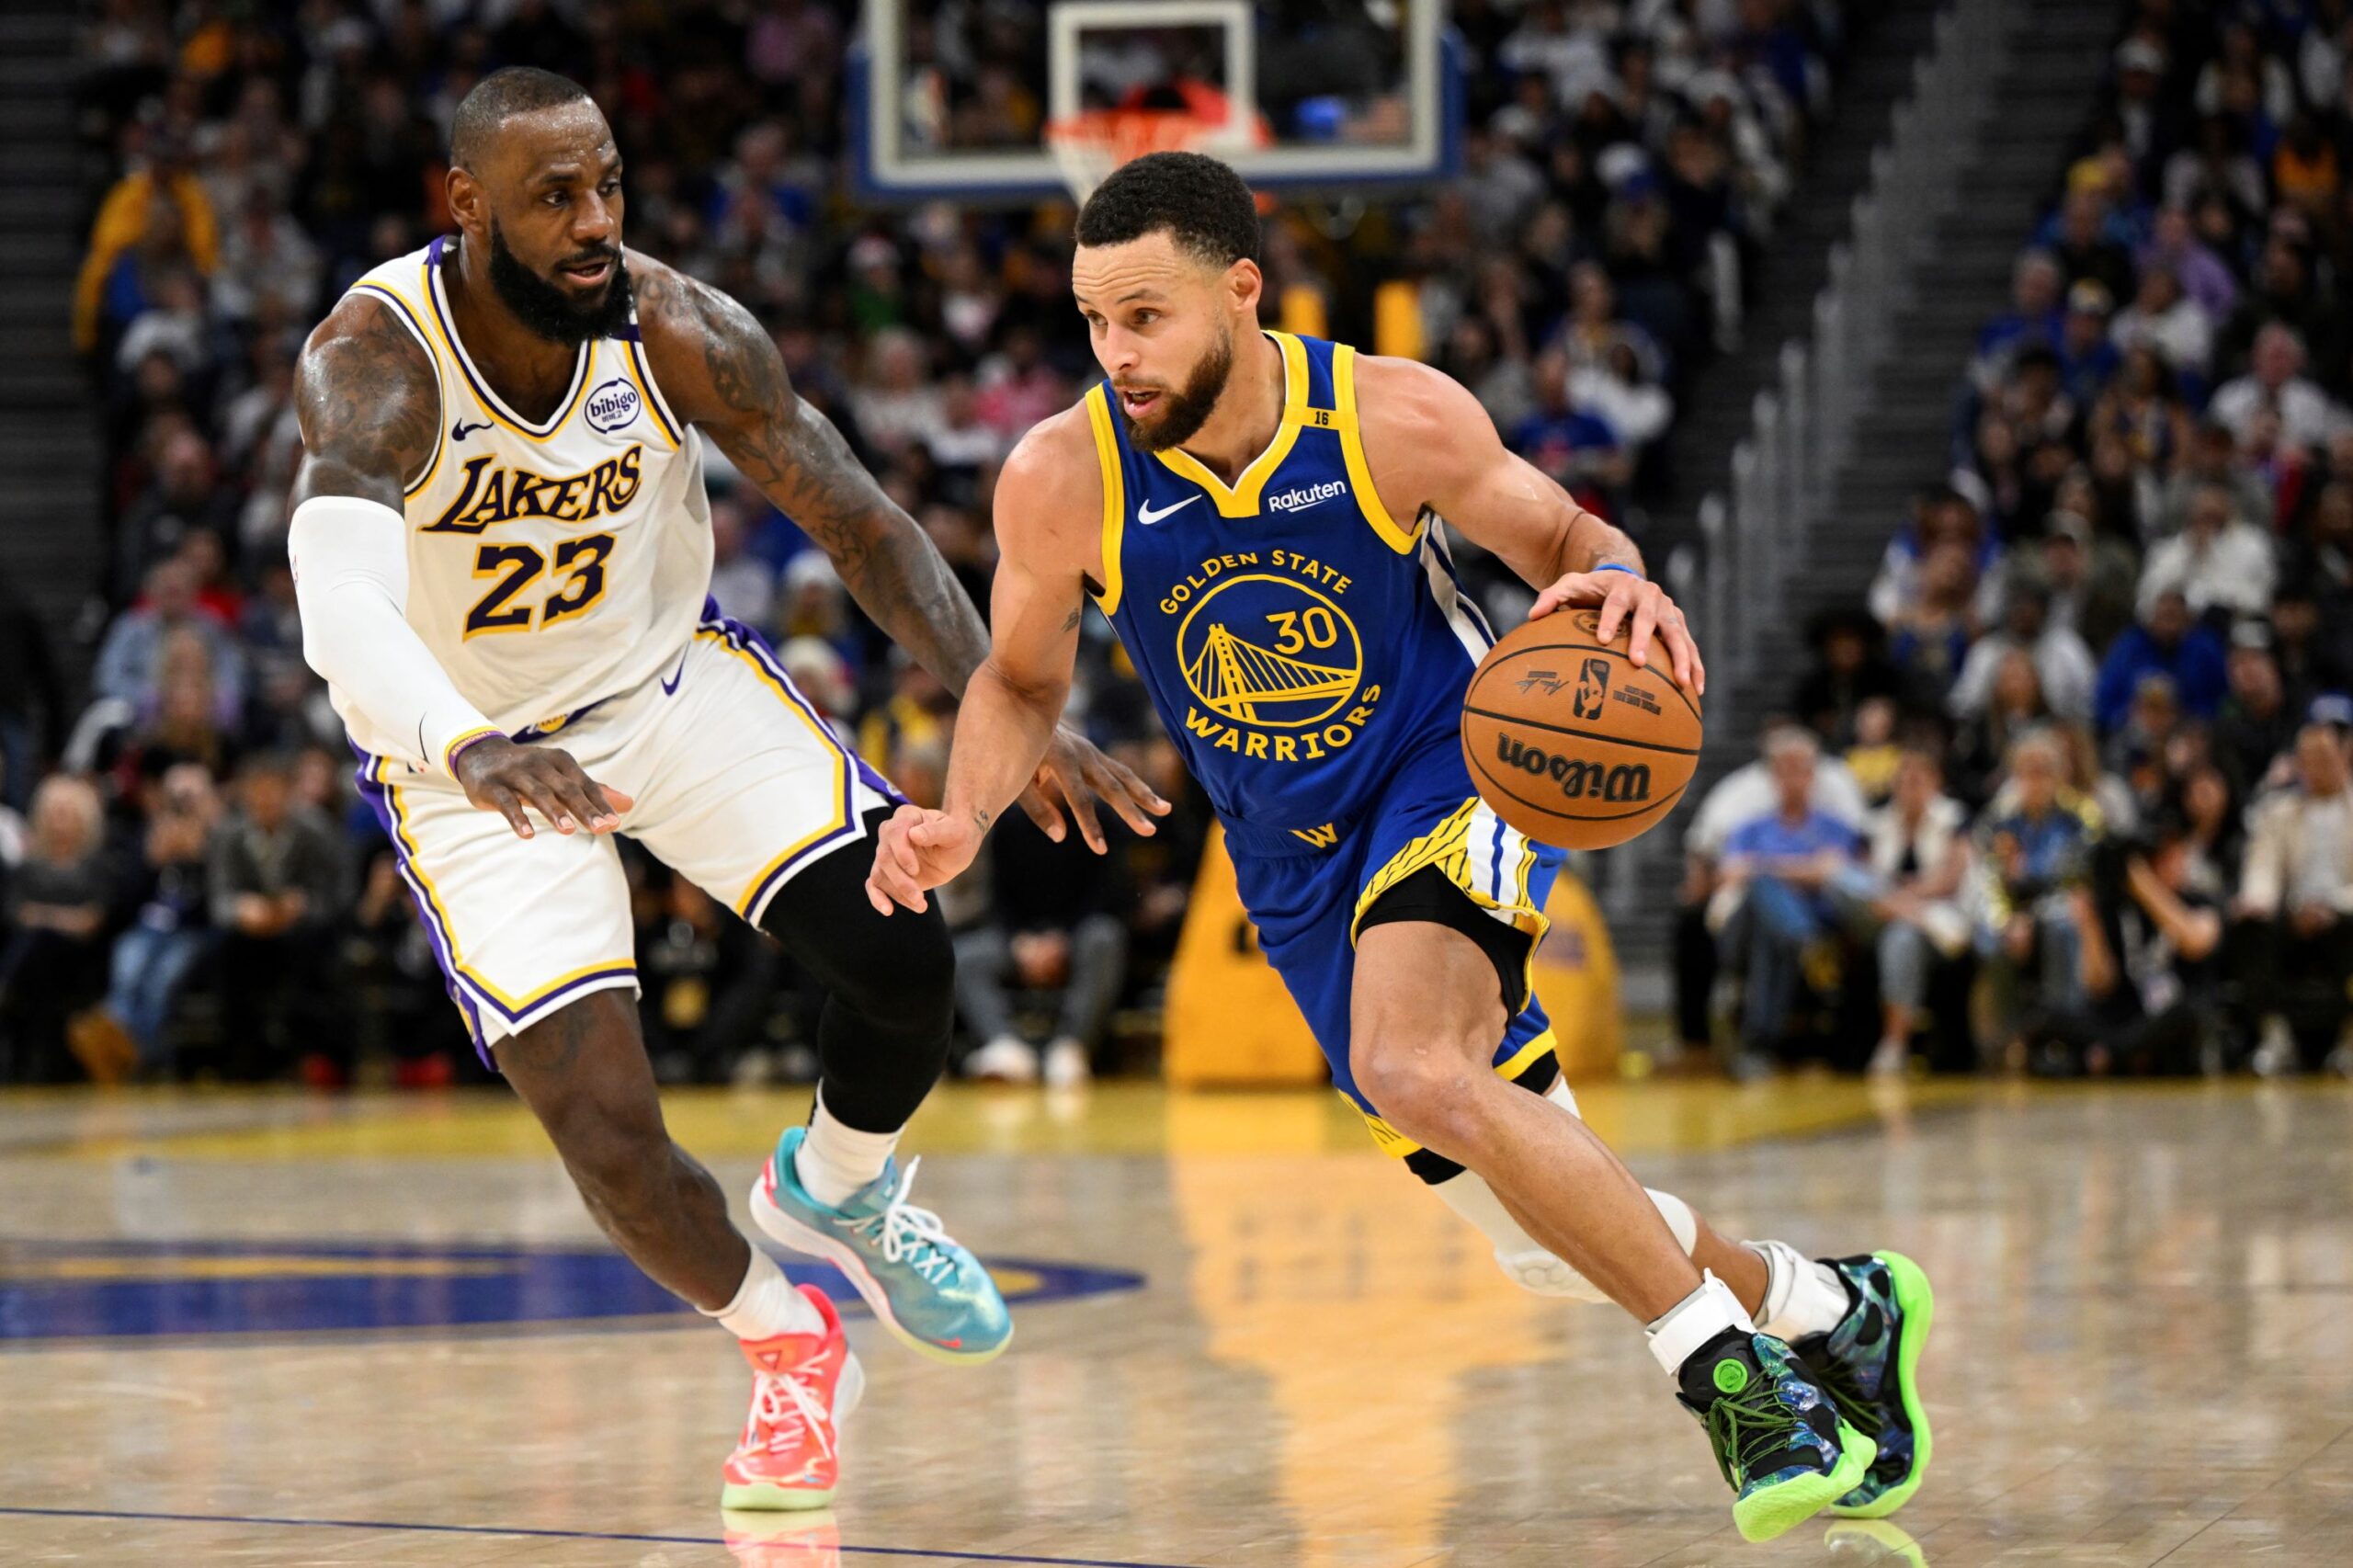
(272,1329)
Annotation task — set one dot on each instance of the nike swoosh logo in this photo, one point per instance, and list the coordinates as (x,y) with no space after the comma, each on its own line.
(1147,516)
(460,430)
(671,686)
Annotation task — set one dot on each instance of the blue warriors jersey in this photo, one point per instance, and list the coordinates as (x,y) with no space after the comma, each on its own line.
(1309,652)
(1296,638)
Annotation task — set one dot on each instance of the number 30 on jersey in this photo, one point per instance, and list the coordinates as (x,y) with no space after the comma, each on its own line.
(513,570)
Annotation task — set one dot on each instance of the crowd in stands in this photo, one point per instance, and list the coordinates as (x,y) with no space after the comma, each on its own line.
(187,867)
(2078,774)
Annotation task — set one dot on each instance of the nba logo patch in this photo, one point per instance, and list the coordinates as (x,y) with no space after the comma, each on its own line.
(613,406)
(1593,688)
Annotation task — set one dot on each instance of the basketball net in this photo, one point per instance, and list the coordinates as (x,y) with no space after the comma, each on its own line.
(1089,144)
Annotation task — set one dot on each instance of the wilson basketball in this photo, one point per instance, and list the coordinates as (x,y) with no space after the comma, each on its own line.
(1573,743)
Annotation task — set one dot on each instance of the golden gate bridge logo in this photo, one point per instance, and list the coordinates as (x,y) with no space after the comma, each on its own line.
(1274,653)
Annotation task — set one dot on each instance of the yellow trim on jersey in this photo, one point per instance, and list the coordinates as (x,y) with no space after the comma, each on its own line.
(743,901)
(1344,394)
(1511,1068)
(440,431)
(413,860)
(1447,847)
(644,385)
(1115,492)
(445,327)
(1243,498)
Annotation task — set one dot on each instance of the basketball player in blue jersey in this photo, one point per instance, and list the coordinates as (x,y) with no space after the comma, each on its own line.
(502,550)
(1260,514)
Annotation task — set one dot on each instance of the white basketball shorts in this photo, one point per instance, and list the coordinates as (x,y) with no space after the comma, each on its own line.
(736,783)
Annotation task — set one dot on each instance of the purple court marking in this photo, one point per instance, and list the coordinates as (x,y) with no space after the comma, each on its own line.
(960,1556)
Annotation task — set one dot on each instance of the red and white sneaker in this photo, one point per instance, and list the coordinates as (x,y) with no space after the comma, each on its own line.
(803,1384)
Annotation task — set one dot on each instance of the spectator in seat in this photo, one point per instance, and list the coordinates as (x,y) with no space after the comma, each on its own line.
(53,928)
(276,875)
(2256,727)
(2164,318)
(2087,360)
(2295,907)
(2313,655)
(1575,446)
(1940,515)
(1907,890)
(2062,662)
(1745,792)
(2275,383)
(1929,641)
(2210,458)
(168,934)
(2174,246)
(2219,560)
(132,655)
(1850,667)
(164,195)
(186,496)
(1052,928)
(1773,908)
(2034,848)
(2036,287)
(2088,580)
(2151,961)
(2167,643)
(2014,706)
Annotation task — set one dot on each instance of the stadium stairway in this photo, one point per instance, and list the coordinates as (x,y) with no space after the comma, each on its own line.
(50,545)
(2033,105)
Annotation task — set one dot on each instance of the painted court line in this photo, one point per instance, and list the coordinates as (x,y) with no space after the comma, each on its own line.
(915,1551)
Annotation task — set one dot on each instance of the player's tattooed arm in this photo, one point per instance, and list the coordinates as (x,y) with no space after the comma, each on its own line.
(369,404)
(1431,445)
(720,371)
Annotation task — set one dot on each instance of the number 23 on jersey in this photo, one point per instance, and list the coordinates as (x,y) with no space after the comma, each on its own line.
(514,571)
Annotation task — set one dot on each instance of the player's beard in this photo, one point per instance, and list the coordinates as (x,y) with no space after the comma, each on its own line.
(1184,410)
(548,311)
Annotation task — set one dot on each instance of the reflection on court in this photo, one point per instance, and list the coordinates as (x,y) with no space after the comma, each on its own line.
(2142,1350)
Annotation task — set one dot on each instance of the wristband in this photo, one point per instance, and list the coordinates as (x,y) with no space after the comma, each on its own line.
(1613,566)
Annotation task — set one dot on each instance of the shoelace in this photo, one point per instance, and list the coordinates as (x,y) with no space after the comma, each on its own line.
(911,1236)
(1839,1381)
(1748,1429)
(781,1400)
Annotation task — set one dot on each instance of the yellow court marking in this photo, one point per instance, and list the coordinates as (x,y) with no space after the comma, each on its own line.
(1637,1118)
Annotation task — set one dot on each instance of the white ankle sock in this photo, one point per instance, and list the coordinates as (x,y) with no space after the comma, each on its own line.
(1695,1320)
(835,1161)
(766,1304)
(1801,1296)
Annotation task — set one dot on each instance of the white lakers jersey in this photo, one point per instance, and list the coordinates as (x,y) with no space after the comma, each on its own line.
(550,565)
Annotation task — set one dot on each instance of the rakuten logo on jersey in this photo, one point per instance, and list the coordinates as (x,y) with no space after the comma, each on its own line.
(1309,495)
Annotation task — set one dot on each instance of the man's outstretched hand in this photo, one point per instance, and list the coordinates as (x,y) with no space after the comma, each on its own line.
(918,850)
(499,775)
(1076,774)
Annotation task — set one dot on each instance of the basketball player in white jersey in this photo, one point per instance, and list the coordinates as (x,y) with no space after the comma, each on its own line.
(502,549)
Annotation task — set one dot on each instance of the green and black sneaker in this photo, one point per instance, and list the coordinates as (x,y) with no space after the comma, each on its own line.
(1868,1365)
(1777,1437)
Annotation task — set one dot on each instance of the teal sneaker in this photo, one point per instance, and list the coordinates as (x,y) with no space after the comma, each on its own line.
(928,1291)
(1777,1437)
(1868,1365)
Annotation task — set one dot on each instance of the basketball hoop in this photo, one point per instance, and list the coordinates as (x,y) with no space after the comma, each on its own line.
(1088,145)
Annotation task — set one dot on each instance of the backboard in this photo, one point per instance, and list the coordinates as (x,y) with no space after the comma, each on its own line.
(954,100)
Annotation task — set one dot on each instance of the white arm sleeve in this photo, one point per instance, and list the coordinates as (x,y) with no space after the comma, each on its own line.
(351,561)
